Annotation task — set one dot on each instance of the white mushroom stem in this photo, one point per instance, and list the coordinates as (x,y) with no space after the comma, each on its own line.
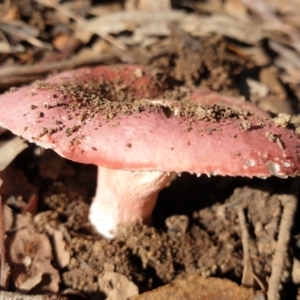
(123,197)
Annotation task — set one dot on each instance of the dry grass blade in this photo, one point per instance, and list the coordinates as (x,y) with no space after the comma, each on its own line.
(85,57)
(62,9)
(4,267)
(290,206)
(9,150)
(247,279)
(22,31)
(223,25)
(17,296)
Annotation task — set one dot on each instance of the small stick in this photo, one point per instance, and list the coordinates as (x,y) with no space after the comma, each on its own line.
(4,267)
(247,279)
(290,205)
(16,75)
(17,296)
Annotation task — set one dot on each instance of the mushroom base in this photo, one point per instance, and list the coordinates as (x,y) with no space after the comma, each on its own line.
(123,197)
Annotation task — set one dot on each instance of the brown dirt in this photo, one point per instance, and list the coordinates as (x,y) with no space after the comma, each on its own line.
(195,227)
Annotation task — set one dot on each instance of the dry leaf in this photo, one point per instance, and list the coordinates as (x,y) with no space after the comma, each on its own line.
(194,287)
(50,165)
(31,282)
(5,47)
(117,22)
(257,89)
(288,59)
(2,129)
(148,5)
(66,43)
(8,218)
(29,254)
(15,183)
(4,267)
(105,8)
(236,8)
(20,31)
(9,150)
(11,14)
(296,271)
(117,286)
(223,25)
(292,77)
(62,256)
(269,77)
(272,21)
(292,19)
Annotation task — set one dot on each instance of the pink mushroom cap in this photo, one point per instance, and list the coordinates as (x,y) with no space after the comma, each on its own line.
(134,119)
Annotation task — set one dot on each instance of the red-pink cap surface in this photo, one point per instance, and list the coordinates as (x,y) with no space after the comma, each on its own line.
(93,115)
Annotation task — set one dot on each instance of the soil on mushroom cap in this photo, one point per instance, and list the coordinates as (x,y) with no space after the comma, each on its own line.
(83,101)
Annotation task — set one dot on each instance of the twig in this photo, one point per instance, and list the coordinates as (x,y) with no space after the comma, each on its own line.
(12,29)
(290,205)
(247,279)
(85,57)
(259,282)
(4,267)
(17,296)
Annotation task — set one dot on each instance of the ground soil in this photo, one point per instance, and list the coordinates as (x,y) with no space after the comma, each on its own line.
(195,227)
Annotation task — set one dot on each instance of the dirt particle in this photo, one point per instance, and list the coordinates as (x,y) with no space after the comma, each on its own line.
(177,224)
(246,125)
(71,130)
(210,130)
(43,132)
(280,143)
(282,120)
(271,136)
(138,73)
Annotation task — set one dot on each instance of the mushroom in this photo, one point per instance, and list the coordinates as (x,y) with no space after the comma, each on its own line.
(139,128)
